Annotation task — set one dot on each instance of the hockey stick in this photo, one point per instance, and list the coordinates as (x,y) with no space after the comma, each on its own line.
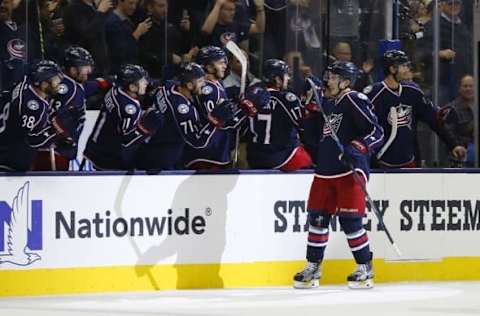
(355,175)
(393,133)
(53,163)
(237,52)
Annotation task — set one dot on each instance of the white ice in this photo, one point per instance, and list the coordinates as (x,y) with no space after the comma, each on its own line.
(412,299)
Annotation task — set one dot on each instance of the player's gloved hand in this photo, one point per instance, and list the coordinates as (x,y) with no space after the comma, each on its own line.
(150,121)
(248,107)
(65,143)
(103,83)
(222,113)
(258,96)
(353,152)
(59,127)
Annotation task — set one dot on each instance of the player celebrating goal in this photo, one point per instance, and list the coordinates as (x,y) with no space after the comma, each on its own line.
(398,105)
(335,189)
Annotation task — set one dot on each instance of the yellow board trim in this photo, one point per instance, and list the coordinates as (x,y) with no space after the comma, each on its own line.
(232,275)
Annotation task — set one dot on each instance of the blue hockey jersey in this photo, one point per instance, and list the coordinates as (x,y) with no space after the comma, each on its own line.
(398,113)
(219,153)
(116,135)
(70,106)
(24,127)
(183,126)
(273,134)
(352,118)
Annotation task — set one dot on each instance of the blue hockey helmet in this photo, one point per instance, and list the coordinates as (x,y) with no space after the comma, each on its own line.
(210,54)
(189,72)
(258,95)
(394,58)
(273,68)
(76,56)
(44,70)
(130,74)
(346,71)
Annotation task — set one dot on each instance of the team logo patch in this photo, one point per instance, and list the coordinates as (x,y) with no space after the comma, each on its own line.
(362,96)
(130,109)
(62,89)
(33,105)
(335,122)
(207,90)
(183,109)
(368,89)
(291,97)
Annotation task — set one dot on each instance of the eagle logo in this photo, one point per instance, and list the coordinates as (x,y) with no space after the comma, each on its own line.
(17,251)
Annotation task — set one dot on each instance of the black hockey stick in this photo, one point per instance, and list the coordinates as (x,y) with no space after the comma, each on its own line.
(355,175)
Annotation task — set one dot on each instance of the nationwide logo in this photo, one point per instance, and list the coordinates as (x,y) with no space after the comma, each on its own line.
(20,229)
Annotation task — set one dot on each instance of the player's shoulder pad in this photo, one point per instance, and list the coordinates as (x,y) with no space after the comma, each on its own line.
(286,96)
(373,88)
(33,105)
(412,88)
(127,105)
(359,96)
(67,87)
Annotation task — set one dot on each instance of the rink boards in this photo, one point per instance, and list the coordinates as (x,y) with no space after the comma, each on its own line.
(113,232)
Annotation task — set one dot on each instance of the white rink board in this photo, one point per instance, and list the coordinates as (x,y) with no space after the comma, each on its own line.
(236,218)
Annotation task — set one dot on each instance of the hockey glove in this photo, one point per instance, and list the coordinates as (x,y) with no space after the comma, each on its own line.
(150,122)
(353,152)
(222,113)
(248,108)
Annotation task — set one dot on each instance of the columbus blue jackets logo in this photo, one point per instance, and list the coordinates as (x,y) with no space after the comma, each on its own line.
(404,116)
(16,49)
(62,89)
(20,229)
(33,105)
(130,109)
(183,109)
(206,90)
(335,122)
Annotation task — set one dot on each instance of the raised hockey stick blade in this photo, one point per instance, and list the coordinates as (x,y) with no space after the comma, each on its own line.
(355,175)
(237,52)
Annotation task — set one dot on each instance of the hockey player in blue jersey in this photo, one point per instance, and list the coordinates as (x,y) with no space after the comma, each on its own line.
(183,124)
(214,62)
(334,190)
(122,125)
(25,123)
(69,106)
(274,141)
(399,105)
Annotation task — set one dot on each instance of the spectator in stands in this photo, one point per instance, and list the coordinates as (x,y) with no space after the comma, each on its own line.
(345,23)
(220,25)
(156,51)
(122,34)
(85,26)
(232,81)
(455,49)
(343,52)
(460,117)
(12,47)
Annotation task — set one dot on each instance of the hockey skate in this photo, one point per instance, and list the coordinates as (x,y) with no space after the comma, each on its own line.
(309,278)
(362,277)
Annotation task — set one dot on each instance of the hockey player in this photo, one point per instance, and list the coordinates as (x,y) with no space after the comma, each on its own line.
(274,141)
(214,62)
(334,190)
(122,125)
(25,124)
(399,104)
(69,105)
(183,125)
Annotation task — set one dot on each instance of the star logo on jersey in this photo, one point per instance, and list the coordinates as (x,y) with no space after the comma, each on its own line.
(62,89)
(404,116)
(335,121)
(206,90)
(130,109)
(33,105)
(183,109)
